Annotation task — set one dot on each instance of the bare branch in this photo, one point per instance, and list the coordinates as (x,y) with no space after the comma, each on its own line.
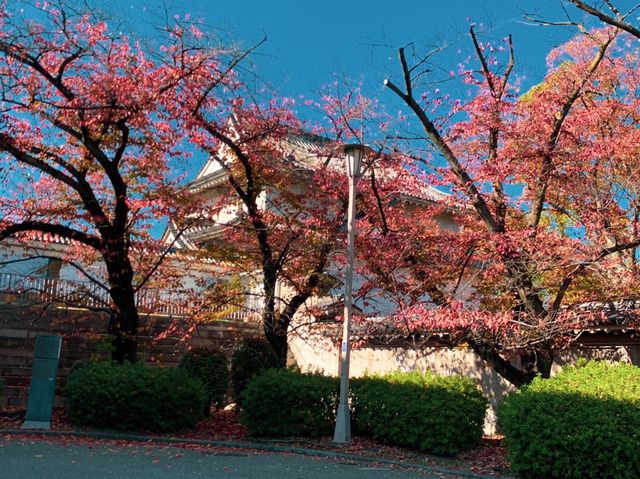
(434,135)
(406,73)
(485,68)
(164,254)
(617,21)
(507,73)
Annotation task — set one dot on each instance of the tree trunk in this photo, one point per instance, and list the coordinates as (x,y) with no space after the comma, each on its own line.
(124,322)
(274,330)
(277,338)
(532,364)
(124,327)
(537,363)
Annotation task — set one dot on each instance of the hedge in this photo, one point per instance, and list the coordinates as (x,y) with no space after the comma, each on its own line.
(211,368)
(133,397)
(582,423)
(439,415)
(251,356)
(282,402)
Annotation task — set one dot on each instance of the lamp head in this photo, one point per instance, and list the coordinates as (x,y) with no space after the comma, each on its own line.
(354,153)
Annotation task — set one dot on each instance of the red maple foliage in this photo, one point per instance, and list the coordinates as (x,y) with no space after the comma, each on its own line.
(544,182)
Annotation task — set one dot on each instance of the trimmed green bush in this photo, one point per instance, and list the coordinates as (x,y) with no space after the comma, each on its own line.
(282,402)
(250,357)
(442,415)
(133,397)
(211,368)
(582,423)
(439,415)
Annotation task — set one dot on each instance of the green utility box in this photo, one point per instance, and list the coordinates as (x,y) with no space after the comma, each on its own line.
(43,382)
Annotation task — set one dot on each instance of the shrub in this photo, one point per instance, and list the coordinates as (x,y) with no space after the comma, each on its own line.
(582,423)
(282,402)
(440,415)
(133,397)
(211,368)
(251,356)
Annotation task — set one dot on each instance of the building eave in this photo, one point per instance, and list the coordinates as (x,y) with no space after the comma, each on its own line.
(212,180)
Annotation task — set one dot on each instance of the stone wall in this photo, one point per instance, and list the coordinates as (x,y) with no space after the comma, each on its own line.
(84,337)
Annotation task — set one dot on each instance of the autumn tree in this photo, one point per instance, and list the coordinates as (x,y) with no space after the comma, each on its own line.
(86,142)
(284,180)
(545,188)
(280,234)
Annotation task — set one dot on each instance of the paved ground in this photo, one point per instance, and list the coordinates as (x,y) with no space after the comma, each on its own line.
(25,459)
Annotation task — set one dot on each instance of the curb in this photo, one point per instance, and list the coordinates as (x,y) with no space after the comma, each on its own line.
(256,446)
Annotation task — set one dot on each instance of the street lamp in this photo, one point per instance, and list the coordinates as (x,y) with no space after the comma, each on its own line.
(342,433)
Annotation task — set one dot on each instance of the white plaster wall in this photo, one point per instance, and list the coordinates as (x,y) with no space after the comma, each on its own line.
(319,354)
(24,268)
(11,256)
(211,166)
(228,214)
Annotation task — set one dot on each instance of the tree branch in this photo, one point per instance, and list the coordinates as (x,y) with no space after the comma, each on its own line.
(164,254)
(18,54)
(464,180)
(566,282)
(376,194)
(561,116)
(617,22)
(483,62)
(55,229)
(7,144)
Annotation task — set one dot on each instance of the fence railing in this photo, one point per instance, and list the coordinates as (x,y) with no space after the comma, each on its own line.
(85,294)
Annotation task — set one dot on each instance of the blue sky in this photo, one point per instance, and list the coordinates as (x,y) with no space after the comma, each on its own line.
(308,42)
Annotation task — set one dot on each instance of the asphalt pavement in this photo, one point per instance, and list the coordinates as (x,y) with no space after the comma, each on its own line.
(35,459)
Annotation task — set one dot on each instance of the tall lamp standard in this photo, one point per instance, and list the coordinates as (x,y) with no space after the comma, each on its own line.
(342,433)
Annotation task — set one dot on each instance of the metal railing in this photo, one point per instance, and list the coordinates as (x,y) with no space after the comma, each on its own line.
(54,290)
(84,294)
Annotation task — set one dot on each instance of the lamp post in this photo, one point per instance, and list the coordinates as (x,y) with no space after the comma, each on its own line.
(342,433)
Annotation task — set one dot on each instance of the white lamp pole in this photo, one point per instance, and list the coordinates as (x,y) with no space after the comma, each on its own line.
(342,434)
